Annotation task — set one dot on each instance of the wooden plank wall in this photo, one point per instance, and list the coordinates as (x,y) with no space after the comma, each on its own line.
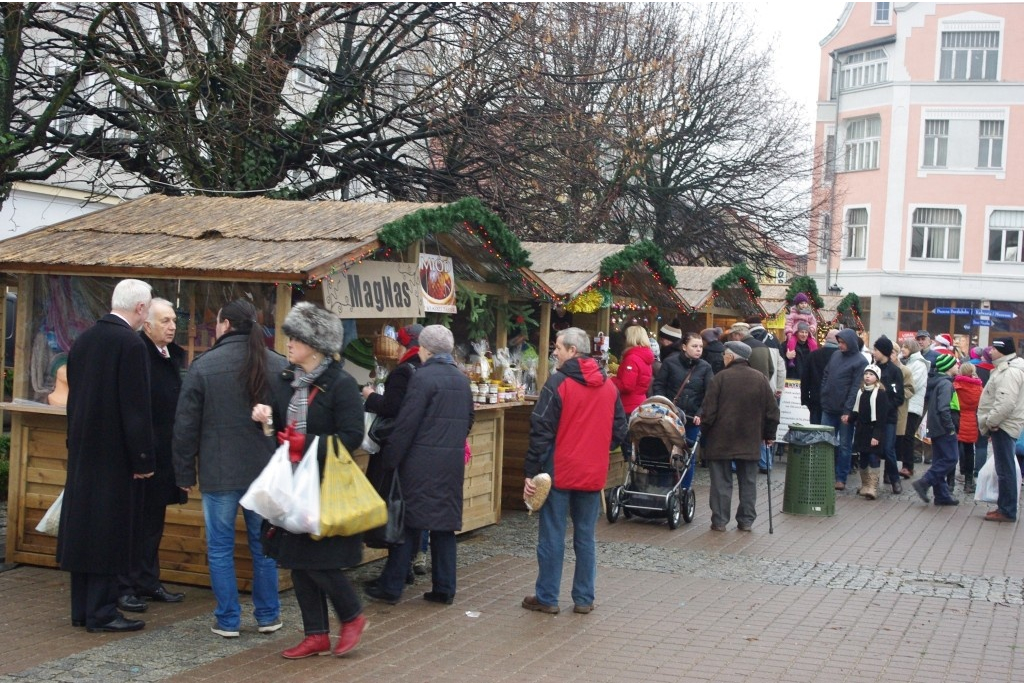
(481,490)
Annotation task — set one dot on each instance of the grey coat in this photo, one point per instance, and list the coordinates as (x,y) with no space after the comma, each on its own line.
(214,421)
(843,375)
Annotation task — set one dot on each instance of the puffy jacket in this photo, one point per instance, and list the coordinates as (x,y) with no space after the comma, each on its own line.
(674,372)
(762,334)
(892,382)
(634,376)
(919,368)
(578,419)
(937,404)
(812,373)
(1002,402)
(968,392)
(714,354)
(843,375)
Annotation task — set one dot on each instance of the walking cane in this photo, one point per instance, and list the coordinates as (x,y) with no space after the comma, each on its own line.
(771,525)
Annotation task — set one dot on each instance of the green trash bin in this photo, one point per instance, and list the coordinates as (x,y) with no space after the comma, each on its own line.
(810,471)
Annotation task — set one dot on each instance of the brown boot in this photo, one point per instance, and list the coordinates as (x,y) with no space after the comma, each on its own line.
(864,477)
(870,490)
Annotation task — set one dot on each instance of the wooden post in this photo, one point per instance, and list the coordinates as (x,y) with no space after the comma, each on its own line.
(544,344)
(282,305)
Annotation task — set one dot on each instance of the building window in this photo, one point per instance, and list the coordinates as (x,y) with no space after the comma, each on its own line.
(856,234)
(862,141)
(936,142)
(882,13)
(866,68)
(969,56)
(935,233)
(990,144)
(1004,235)
(825,238)
(307,60)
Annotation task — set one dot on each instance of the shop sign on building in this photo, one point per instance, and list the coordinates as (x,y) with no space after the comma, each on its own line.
(437,282)
(375,290)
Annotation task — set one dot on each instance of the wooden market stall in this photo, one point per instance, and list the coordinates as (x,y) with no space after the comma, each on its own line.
(598,287)
(718,295)
(201,252)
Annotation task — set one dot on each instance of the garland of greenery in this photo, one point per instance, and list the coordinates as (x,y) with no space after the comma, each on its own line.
(413,227)
(738,274)
(640,252)
(850,303)
(519,318)
(808,286)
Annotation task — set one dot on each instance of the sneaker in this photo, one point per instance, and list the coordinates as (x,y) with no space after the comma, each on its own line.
(271,626)
(224,632)
(530,602)
(419,565)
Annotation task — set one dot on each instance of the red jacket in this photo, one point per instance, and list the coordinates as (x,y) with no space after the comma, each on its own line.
(634,376)
(968,392)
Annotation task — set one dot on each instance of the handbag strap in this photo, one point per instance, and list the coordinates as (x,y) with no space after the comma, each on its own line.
(683,386)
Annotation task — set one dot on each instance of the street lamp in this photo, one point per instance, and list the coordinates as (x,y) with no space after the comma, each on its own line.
(835,289)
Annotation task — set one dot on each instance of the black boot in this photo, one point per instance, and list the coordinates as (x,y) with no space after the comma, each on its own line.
(951,479)
(968,483)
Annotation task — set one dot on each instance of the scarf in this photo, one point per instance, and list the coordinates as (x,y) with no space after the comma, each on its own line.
(874,395)
(299,404)
(409,354)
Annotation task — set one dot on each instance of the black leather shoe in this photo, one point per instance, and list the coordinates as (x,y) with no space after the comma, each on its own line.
(439,597)
(131,603)
(77,624)
(376,593)
(162,594)
(119,625)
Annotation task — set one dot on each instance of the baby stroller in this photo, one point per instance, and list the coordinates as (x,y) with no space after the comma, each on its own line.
(660,476)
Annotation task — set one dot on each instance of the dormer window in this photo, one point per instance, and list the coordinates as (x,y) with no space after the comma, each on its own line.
(882,14)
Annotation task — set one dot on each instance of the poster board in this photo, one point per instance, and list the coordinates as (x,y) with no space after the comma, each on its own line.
(790,409)
(373,290)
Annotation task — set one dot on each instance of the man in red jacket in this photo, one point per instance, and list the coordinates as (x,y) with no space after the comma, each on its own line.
(577,421)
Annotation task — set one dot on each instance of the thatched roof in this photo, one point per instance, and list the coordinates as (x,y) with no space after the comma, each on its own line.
(773,298)
(255,239)
(693,283)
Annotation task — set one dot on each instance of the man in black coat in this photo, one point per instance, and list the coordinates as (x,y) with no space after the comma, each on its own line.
(110,449)
(166,361)
(812,374)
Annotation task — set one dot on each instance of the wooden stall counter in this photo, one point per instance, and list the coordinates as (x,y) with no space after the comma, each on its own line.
(38,470)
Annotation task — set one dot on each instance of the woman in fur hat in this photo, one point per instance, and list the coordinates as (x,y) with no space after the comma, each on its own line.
(314,396)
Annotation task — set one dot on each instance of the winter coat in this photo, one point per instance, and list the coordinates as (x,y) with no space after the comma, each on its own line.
(110,438)
(336,409)
(387,406)
(812,374)
(761,358)
(908,392)
(165,385)
(739,414)
(428,445)
(778,377)
(714,354)
(892,382)
(843,375)
(920,368)
(634,376)
(1002,402)
(968,392)
(937,405)
(214,420)
(676,371)
(577,420)
(795,317)
(803,349)
(864,428)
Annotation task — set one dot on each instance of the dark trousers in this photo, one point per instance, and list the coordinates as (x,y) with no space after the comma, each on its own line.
(442,562)
(94,598)
(815,413)
(945,456)
(905,442)
(312,590)
(967,461)
(144,577)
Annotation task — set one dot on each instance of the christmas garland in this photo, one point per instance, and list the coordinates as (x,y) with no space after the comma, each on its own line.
(644,251)
(519,318)
(588,302)
(738,274)
(807,286)
(850,303)
(415,226)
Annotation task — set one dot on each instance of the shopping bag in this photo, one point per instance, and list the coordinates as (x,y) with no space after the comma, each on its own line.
(348,503)
(369,445)
(1018,448)
(381,429)
(987,487)
(392,533)
(50,523)
(304,514)
(270,495)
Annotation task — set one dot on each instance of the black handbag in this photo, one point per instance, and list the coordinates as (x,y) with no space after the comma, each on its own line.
(392,533)
(380,429)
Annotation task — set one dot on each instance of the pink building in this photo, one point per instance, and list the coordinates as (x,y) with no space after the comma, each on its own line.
(917,107)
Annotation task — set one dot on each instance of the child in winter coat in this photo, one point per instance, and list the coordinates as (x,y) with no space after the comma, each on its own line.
(968,388)
(870,410)
(799,313)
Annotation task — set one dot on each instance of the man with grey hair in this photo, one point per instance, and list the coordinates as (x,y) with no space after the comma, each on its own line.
(578,419)
(739,416)
(110,451)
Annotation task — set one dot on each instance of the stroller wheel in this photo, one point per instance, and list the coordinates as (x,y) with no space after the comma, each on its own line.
(689,499)
(672,511)
(613,504)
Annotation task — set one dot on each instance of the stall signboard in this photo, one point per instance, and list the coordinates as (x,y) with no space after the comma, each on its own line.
(790,409)
(374,290)
(437,282)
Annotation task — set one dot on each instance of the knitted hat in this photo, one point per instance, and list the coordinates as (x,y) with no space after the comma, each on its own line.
(944,362)
(801,297)
(976,352)
(741,350)
(710,334)
(437,339)
(986,355)
(832,337)
(670,332)
(1004,346)
(884,345)
(873,368)
(802,326)
(318,328)
(409,336)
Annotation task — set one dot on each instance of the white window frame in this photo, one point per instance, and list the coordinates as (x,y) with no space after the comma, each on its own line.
(829,172)
(879,8)
(990,144)
(935,150)
(309,55)
(969,22)
(825,238)
(855,235)
(862,153)
(1006,224)
(930,221)
(863,69)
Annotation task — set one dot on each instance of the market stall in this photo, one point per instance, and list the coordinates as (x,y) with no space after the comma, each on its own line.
(201,252)
(718,295)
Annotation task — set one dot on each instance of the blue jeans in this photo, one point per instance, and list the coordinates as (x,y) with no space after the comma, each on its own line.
(1003,452)
(844,451)
(584,508)
(219,512)
(945,456)
(980,453)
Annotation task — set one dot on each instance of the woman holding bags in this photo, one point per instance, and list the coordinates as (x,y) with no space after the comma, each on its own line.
(315,397)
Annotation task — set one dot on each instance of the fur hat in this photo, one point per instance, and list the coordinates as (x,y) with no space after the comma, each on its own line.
(740,327)
(670,332)
(437,339)
(884,345)
(801,297)
(318,328)
(1004,346)
(741,350)
(873,368)
(944,362)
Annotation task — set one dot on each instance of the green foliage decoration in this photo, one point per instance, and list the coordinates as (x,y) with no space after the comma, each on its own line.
(739,274)
(416,226)
(849,304)
(640,252)
(807,286)
(479,312)
(519,318)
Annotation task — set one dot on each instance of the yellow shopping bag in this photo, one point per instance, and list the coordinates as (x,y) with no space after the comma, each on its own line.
(348,503)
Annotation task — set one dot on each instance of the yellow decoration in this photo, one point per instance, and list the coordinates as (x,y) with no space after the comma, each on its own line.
(585,303)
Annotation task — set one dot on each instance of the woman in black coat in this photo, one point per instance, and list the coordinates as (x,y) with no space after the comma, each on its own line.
(684,378)
(316,397)
(428,449)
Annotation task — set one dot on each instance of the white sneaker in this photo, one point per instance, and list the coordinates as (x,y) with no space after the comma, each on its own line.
(224,632)
(271,627)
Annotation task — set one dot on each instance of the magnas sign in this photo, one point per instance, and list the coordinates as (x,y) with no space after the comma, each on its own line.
(375,290)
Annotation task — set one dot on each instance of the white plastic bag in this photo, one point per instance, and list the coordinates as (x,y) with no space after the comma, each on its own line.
(270,495)
(304,514)
(369,445)
(987,487)
(50,523)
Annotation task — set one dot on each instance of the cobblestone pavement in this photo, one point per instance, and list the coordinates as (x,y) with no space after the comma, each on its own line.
(892,590)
